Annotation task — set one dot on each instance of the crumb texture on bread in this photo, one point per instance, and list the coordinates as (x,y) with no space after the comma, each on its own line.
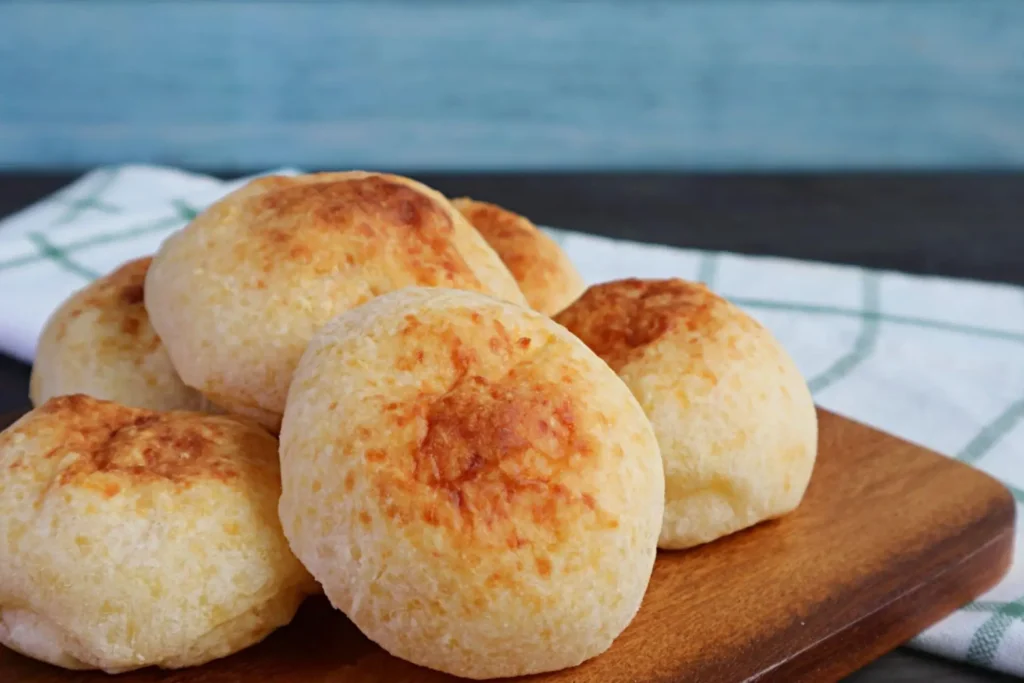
(238,293)
(546,276)
(134,538)
(734,417)
(100,342)
(473,487)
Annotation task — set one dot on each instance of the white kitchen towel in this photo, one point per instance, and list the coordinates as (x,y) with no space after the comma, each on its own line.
(936,361)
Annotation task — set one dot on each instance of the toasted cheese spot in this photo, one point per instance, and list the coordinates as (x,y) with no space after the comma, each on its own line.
(237,294)
(619,319)
(544,273)
(514,482)
(117,300)
(132,294)
(734,418)
(114,502)
(368,217)
(101,342)
(121,444)
(494,451)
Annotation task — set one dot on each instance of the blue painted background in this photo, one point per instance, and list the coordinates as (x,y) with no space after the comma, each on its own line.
(705,84)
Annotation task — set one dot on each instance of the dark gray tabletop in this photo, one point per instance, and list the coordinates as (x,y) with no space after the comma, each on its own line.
(955,224)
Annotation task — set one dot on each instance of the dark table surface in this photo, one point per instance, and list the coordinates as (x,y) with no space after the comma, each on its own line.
(955,224)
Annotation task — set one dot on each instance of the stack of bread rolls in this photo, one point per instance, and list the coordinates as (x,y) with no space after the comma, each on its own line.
(348,383)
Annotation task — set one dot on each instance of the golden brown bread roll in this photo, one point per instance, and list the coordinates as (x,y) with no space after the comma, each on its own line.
(132,538)
(470,484)
(100,342)
(734,418)
(238,293)
(546,276)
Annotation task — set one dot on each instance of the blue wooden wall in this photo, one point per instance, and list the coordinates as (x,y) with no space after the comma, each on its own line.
(448,84)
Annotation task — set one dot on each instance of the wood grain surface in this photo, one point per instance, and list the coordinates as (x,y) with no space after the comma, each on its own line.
(513,85)
(889,539)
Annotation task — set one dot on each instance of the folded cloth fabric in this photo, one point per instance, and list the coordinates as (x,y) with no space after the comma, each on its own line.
(936,361)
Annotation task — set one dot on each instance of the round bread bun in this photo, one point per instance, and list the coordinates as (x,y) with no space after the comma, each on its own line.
(99,342)
(237,294)
(734,418)
(133,538)
(546,276)
(471,485)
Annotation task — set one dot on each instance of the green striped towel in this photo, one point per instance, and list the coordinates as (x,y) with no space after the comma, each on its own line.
(936,361)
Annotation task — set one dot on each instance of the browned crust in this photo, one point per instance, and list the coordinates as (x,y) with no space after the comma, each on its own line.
(378,215)
(110,447)
(493,452)
(117,299)
(544,273)
(618,319)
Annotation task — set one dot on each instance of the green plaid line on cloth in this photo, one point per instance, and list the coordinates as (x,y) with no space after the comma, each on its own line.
(936,361)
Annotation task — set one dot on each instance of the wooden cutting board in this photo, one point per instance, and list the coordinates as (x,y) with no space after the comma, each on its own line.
(889,539)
